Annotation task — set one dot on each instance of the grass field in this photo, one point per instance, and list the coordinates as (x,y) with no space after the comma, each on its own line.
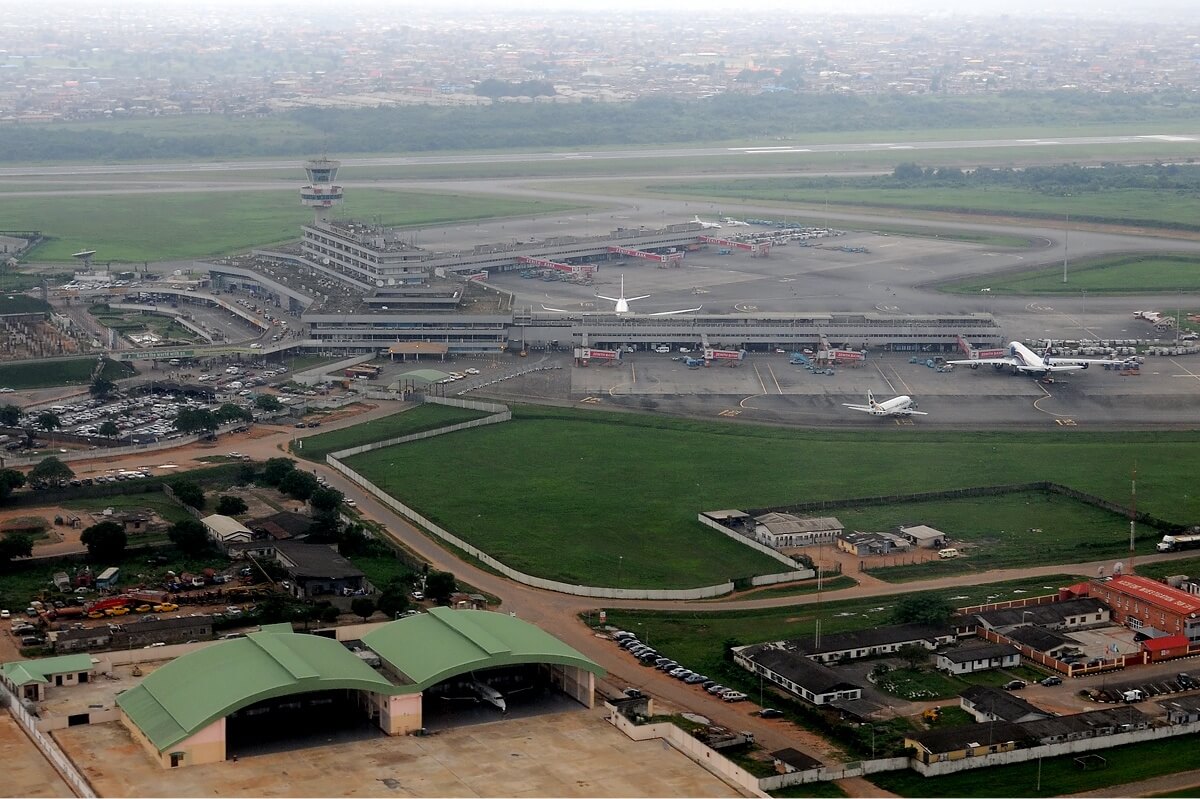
(618,492)
(414,420)
(1109,274)
(1119,206)
(998,532)
(1165,568)
(74,372)
(150,227)
(20,303)
(695,639)
(1060,776)
(155,500)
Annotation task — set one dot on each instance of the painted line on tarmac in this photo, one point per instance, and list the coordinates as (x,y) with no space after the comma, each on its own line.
(758,374)
(1188,372)
(885,377)
(903,382)
(778,387)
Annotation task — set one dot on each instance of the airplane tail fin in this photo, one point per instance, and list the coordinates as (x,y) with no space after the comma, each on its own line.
(871,398)
(1046,353)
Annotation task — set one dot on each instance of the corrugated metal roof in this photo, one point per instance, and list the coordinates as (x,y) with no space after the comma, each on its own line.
(23,672)
(192,691)
(223,525)
(442,643)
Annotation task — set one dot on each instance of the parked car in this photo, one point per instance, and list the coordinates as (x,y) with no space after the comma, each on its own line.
(771,713)
(1015,685)
(1052,680)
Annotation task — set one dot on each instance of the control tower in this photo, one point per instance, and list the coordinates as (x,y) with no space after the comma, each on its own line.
(321,194)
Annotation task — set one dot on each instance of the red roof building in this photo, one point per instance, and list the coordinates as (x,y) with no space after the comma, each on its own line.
(1148,605)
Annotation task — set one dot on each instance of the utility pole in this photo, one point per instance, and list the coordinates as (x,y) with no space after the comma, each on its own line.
(1132,514)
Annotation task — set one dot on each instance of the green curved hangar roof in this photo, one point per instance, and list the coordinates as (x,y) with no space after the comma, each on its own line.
(195,690)
(431,647)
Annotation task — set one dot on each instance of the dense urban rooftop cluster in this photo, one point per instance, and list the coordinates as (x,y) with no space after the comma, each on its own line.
(159,60)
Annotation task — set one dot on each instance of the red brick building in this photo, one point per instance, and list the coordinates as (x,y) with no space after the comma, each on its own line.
(1149,606)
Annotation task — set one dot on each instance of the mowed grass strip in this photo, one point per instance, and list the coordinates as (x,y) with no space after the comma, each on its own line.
(1000,532)
(1060,776)
(73,372)
(607,498)
(1110,274)
(148,227)
(413,420)
(1117,206)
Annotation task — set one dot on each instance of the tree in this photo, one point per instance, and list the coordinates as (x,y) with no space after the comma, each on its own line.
(233,413)
(188,493)
(393,600)
(326,499)
(908,172)
(275,469)
(109,428)
(299,485)
(15,546)
(439,586)
(10,480)
(189,536)
(268,402)
(231,506)
(48,421)
(330,614)
(363,607)
(913,655)
(51,471)
(727,647)
(10,415)
(246,474)
(104,541)
(102,387)
(192,420)
(934,610)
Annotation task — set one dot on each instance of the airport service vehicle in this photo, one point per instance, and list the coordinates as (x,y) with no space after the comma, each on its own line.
(897,406)
(1023,361)
(1175,543)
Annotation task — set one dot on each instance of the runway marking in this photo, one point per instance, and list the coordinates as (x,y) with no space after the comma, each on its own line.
(1188,372)
(590,400)
(758,374)
(730,412)
(904,421)
(885,377)
(775,379)
(1065,422)
(903,382)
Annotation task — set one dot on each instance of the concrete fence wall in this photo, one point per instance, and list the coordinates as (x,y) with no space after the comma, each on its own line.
(712,761)
(783,577)
(48,746)
(748,542)
(830,773)
(391,442)
(1054,750)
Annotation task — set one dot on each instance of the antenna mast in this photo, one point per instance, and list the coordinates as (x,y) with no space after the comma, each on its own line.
(1132,514)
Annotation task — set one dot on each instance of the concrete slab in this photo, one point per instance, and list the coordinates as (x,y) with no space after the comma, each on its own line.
(567,754)
(26,771)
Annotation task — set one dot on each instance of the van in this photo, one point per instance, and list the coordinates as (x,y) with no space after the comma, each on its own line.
(948,553)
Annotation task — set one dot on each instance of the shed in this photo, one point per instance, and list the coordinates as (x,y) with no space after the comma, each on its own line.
(924,537)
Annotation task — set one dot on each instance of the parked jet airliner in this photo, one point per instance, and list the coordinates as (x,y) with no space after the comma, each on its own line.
(1023,361)
(897,406)
(623,305)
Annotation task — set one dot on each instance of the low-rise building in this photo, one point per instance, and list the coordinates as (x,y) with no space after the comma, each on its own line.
(29,679)
(225,531)
(783,530)
(873,641)
(865,544)
(986,703)
(281,526)
(79,639)
(924,537)
(1090,724)
(967,740)
(1181,709)
(1149,606)
(972,657)
(788,761)
(797,674)
(316,570)
(1069,614)
(1040,639)
(159,630)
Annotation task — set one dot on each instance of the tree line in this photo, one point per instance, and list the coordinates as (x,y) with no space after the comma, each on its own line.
(655,120)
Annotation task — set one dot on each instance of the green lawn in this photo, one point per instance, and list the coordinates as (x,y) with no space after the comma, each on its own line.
(815,790)
(414,420)
(155,500)
(1118,206)
(999,532)
(154,227)
(1165,568)
(300,363)
(21,303)
(615,492)
(1109,274)
(1060,776)
(73,372)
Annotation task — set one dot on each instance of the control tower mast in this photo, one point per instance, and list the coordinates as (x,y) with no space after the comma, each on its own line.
(321,194)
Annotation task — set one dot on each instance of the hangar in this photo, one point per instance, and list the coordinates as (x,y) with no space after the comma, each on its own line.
(281,687)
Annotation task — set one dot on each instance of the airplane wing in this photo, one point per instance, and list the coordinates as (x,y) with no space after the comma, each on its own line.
(672,313)
(917,413)
(631,299)
(556,310)
(610,299)
(1007,360)
(1055,360)
(863,408)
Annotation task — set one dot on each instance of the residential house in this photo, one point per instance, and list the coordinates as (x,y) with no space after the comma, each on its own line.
(29,679)
(1090,724)
(873,641)
(967,740)
(986,703)
(783,530)
(971,657)
(791,670)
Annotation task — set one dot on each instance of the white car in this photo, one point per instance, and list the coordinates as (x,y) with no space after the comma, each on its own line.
(472,371)
(4,614)
(7,390)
